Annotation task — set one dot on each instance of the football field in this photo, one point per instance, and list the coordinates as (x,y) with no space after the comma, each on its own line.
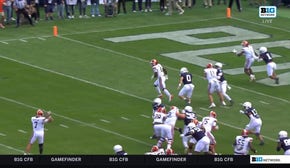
(95,77)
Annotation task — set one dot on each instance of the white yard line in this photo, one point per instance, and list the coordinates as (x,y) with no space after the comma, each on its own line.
(12,148)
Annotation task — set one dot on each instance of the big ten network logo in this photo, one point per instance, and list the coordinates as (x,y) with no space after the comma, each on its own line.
(267,12)
(257,159)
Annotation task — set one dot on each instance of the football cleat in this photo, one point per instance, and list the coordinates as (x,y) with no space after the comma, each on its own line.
(212,105)
(224,103)
(252,77)
(277,81)
(180,130)
(231,102)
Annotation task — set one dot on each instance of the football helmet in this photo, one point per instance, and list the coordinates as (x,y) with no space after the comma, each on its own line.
(262,50)
(218,64)
(117,148)
(209,65)
(157,101)
(39,112)
(245,133)
(154,62)
(154,148)
(247,105)
(283,134)
(245,43)
(183,70)
(212,114)
(188,109)
(169,151)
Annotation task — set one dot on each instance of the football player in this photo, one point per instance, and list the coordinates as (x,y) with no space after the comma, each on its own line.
(283,142)
(223,83)
(271,65)
(209,123)
(186,79)
(118,149)
(198,135)
(172,116)
(243,143)
(250,57)
(189,115)
(210,73)
(160,73)
(157,106)
(155,150)
(38,123)
(255,124)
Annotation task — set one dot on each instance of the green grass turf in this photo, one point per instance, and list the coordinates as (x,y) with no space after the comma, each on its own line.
(100,92)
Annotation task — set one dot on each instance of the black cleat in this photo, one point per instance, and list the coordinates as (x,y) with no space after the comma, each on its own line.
(231,102)
(180,130)
(277,81)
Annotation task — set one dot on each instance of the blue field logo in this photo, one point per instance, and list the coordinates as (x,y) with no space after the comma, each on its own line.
(267,11)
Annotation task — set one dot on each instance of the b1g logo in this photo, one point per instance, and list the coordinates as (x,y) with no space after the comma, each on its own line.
(267,11)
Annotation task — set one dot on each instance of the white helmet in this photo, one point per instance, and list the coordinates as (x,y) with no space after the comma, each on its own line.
(188,108)
(247,105)
(157,101)
(262,50)
(218,64)
(183,70)
(118,148)
(283,134)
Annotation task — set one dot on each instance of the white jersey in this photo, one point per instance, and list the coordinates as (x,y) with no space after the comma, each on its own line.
(38,123)
(171,116)
(242,146)
(159,70)
(210,74)
(208,123)
(249,52)
(159,118)
(38,129)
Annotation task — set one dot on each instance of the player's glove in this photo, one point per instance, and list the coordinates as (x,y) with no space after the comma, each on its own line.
(242,112)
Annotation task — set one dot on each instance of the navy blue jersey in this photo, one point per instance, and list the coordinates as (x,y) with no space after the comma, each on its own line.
(187,78)
(285,143)
(189,116)
(121,153)
(267,57)
(220,75)
(253,112)
(198,133)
